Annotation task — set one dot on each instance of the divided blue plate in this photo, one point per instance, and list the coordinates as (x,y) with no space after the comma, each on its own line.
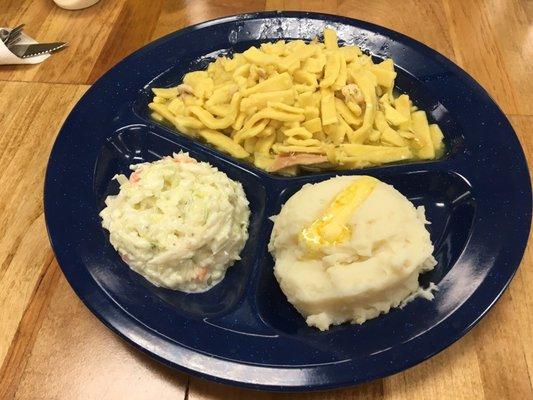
(243,331)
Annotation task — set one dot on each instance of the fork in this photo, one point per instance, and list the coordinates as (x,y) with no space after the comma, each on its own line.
(4,34)
(11,37)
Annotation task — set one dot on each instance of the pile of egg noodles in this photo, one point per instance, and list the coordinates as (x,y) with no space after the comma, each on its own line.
(291,105)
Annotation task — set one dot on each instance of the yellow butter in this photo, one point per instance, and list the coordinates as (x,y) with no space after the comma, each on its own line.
(331,227)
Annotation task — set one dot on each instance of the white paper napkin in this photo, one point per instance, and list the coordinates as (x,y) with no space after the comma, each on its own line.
(7,57)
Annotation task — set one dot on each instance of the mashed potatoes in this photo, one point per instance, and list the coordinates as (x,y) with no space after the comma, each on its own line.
(178,222)
(349,249)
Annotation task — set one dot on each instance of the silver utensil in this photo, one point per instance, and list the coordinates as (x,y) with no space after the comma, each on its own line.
(14,34)
(8,37)
(14,41)
(4,34)
(32,50)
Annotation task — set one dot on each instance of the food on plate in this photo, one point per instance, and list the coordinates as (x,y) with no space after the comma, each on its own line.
(349,249)
(286,106)
(178,222)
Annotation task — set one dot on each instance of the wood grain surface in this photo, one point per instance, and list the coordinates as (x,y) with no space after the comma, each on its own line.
(52,347)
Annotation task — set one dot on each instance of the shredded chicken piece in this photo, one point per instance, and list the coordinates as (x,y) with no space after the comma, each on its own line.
(261,73)
(185,89)
(351,92)
(288,160)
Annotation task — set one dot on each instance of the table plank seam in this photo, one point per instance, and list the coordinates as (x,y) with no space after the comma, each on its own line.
(527,368)
(187,387)
(45,82)
(12,369)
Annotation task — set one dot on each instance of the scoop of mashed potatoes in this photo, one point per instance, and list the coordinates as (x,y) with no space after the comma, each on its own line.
(178,222)
(348,251)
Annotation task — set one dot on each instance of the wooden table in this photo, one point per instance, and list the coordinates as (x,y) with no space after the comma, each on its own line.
(52,347)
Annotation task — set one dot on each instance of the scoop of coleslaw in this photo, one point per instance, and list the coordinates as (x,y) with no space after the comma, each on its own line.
(178,222)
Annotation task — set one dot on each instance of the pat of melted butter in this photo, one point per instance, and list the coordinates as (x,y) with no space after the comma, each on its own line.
(331,227)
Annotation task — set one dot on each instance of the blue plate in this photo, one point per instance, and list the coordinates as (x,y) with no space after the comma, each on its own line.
(243,331)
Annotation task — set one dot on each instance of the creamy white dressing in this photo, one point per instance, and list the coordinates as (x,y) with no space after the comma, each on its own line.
(178,222)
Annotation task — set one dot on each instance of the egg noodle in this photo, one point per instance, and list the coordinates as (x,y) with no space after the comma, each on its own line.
(290,104)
